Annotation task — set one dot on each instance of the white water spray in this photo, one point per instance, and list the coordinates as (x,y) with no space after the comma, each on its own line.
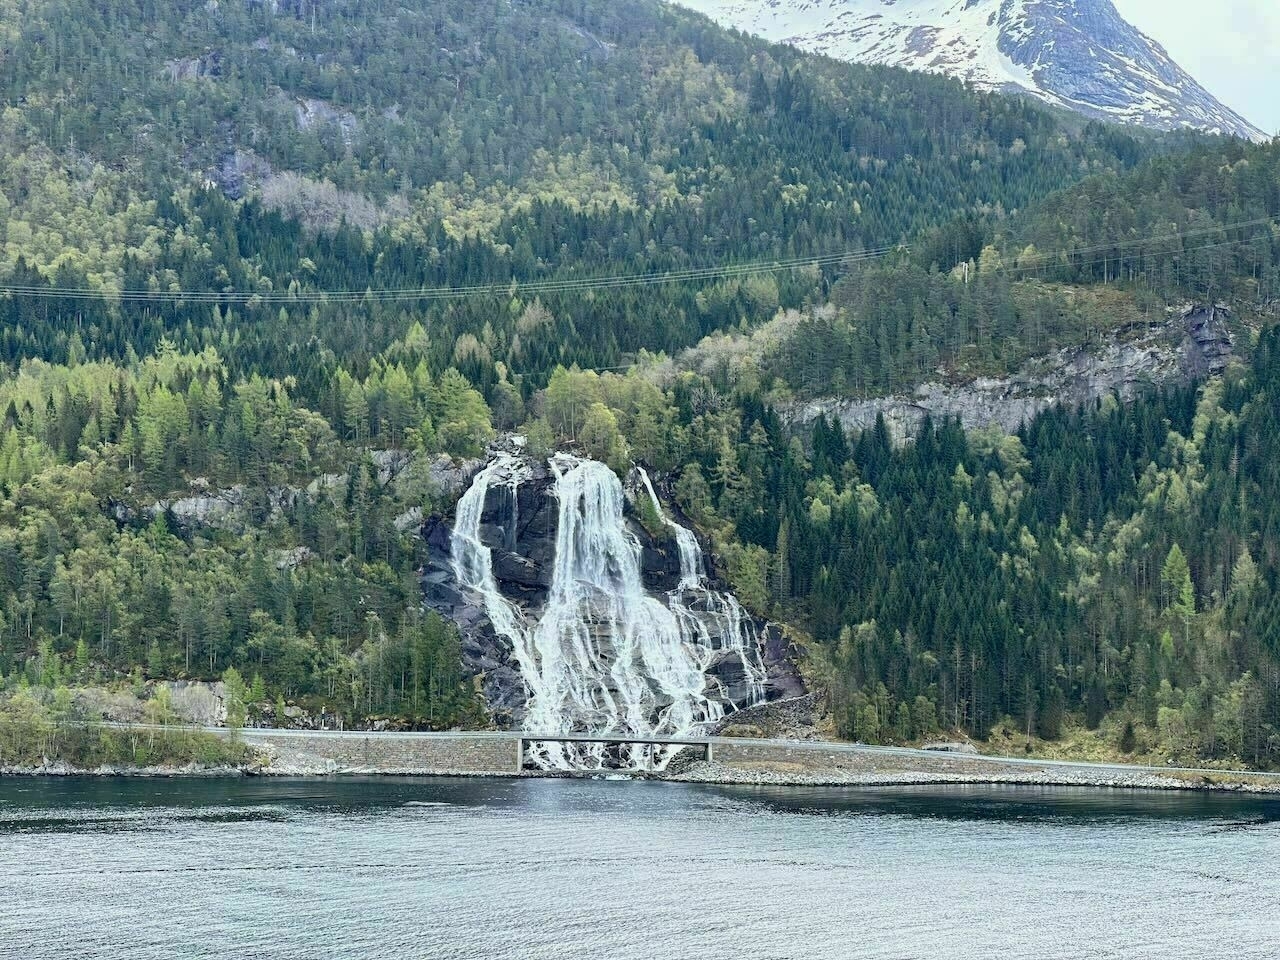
(735,628)
(691,568)
(605,656)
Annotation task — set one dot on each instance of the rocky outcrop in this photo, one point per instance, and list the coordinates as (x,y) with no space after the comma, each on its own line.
(792,718)
(238,171)
(520,532)
(1196,345)
(226,509)
(310,112)
(292,559)
(391,464)
(203,67)
(196,702)
(1207,348)
(233,508)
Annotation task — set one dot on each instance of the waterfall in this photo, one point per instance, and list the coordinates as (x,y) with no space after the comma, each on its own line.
(690,552)
(737,629)
(473,561)
(604,655)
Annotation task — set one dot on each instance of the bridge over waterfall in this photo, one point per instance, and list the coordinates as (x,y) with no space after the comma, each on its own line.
(500,752)
(605,740)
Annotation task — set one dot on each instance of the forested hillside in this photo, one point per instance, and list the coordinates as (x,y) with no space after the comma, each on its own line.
(1112,565)
(225,389)
(386,146)
(979,296)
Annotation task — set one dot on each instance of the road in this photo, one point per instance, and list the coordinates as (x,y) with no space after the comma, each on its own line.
(821,746)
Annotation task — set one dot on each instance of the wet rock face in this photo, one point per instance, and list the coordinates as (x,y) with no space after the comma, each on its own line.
(238,171)
(1208,345)
(520,530)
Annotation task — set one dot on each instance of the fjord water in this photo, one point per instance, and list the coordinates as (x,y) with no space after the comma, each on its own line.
(432,868)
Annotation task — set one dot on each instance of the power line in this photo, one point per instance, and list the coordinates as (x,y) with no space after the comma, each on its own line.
(1097,260)
(567,285)
(585,284)
(1073,263)
(1041,259)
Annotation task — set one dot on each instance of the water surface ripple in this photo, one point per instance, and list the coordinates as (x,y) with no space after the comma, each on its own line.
(434,868)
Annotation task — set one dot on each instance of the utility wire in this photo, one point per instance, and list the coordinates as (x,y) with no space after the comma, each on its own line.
(1097,260)
(1056,257)
(607,282)
(567,285)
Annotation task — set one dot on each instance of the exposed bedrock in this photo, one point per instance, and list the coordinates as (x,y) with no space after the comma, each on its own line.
(1195,346)
(519,524)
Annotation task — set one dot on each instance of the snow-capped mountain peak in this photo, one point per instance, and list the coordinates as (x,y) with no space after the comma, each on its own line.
(1079,54)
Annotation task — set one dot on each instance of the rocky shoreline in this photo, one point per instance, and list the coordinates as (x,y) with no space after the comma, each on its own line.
(1139,779)
(194,770)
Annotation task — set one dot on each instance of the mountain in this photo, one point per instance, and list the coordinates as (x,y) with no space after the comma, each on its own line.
(236,397)
(399,145)
(241,469)
(1079,54)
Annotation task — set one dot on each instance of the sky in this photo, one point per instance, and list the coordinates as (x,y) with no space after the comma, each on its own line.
(1231,46)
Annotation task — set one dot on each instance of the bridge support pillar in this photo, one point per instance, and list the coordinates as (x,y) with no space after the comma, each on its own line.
(708,757)
(519,754)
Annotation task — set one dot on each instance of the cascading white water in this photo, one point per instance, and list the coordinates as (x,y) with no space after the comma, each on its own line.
(690,551)
(605,656)
(736,629)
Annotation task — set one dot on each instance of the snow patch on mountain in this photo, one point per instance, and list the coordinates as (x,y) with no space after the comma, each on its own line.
(1079,54)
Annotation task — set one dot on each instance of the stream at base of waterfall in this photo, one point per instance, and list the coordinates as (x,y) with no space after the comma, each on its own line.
(604,655)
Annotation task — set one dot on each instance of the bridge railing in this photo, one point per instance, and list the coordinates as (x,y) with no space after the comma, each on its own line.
(619,739)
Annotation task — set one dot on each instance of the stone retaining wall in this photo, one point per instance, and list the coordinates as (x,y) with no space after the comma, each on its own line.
(813,757)
(814,765)
(305,752)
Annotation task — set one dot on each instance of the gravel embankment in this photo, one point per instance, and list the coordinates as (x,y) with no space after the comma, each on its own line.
(856,770)
(744,761)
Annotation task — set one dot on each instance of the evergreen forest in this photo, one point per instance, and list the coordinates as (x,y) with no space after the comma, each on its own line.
(271,274)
